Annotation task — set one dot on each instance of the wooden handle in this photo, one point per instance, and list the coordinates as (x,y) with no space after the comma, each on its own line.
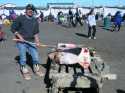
(41,45)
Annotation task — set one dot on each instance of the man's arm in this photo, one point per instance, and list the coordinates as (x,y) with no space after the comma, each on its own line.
(37,40)
(18,36)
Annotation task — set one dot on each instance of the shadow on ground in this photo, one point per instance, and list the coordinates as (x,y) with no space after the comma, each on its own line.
(120,91)
(82,35)
(107,29)
(28,62)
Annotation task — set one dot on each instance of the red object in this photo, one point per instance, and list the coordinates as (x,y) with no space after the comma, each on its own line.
(2,34)
(86,50)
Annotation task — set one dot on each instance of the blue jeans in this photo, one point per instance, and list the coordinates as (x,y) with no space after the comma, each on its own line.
(31,49)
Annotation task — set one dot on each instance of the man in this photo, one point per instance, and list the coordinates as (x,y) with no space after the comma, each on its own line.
(117,21)
(41,16)
(71,17)
(78,17)
(26,28)
(91,24)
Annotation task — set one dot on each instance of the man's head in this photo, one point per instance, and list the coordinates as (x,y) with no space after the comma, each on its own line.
(30,9)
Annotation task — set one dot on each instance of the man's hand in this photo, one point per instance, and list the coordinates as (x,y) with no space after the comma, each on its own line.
(37,41)
(21,39)
(38,44)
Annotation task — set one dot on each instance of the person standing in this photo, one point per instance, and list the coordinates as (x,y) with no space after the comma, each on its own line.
(117,21)
(2,34)
(41,16)
(107,22)
(26,28)
(78,17)
(71,15)
(91,24)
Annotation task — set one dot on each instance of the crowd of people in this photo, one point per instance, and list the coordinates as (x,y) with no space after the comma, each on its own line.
(114,21)
(72,19)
